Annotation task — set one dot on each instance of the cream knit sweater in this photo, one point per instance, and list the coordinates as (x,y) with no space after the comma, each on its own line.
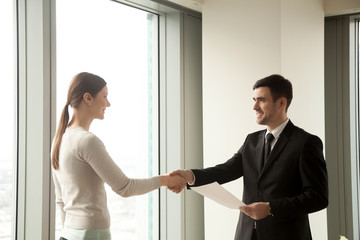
(85,166)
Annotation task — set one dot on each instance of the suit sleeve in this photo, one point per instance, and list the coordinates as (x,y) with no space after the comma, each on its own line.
(222,173)
(314,183)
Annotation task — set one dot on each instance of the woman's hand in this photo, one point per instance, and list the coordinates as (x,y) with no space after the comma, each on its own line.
(173,183)
(185,173)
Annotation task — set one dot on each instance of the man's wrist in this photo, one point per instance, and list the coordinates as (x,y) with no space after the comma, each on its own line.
(190,178)
(270,211)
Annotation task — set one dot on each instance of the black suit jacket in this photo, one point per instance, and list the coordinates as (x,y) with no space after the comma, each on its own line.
(293,180)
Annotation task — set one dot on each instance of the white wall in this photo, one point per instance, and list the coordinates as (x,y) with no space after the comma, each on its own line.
(244,41)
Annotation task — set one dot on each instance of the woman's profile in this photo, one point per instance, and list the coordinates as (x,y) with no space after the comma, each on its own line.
(81,165)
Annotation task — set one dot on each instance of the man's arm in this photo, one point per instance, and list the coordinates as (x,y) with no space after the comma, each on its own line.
(221,173)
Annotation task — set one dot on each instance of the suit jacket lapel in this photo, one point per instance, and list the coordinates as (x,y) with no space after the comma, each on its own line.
(279,146)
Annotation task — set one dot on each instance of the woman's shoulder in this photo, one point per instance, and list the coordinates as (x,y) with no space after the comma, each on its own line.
(83,137)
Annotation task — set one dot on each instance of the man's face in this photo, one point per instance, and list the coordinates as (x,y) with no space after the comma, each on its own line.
(268,111)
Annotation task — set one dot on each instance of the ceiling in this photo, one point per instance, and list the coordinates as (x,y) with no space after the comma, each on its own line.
(195,5)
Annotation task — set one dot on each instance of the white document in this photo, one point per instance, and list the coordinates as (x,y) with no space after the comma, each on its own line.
(219,194)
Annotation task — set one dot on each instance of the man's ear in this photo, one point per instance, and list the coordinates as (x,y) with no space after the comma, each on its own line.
(283,102)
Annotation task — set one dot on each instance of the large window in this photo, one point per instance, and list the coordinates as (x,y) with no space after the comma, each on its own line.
(118,43)
(7,121)
(342,124)
(55,40)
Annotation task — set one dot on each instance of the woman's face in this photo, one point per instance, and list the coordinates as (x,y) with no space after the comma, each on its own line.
(100,103)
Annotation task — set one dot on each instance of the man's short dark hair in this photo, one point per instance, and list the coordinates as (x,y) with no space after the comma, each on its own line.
(279,87)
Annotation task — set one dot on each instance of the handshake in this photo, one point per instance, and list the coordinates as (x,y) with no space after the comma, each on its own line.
(176,180)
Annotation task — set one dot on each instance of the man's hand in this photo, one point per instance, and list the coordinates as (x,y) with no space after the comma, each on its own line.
(256,210)
(174,183)
(186,174)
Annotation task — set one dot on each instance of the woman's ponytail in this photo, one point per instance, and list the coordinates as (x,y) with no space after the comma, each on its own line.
(63,123)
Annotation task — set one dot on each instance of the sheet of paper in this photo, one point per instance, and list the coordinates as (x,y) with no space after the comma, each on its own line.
(219,194)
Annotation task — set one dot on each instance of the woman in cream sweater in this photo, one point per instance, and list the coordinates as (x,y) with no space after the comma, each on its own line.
(81,165)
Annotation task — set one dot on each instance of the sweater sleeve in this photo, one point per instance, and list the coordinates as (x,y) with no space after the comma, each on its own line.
(94,152)
(58,194)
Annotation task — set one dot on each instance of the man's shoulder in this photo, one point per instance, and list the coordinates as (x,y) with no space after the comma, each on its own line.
(299,130)
(300,133)
(257,134)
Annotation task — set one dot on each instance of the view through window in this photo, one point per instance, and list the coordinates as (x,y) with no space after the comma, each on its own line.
(118,43)
(7,121)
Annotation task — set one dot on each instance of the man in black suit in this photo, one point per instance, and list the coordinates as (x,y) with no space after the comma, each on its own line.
(283,168)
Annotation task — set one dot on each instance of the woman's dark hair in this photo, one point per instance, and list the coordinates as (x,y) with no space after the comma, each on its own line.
(80,84)
(279,87)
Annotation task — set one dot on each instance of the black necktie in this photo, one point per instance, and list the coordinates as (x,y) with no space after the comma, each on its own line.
(269,139)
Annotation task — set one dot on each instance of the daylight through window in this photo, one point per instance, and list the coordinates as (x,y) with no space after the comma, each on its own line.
(118,43)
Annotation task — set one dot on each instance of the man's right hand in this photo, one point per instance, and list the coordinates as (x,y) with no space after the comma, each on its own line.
(185,173)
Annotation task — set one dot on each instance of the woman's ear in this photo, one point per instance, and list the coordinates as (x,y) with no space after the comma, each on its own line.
(87,98)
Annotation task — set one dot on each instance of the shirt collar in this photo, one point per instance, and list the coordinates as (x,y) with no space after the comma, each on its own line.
(277,131)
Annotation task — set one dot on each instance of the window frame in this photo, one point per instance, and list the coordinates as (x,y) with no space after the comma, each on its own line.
(355,98)
(13,115)
(34,87)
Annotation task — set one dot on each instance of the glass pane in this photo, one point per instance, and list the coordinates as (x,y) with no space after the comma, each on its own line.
(7,121)
(118,43)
